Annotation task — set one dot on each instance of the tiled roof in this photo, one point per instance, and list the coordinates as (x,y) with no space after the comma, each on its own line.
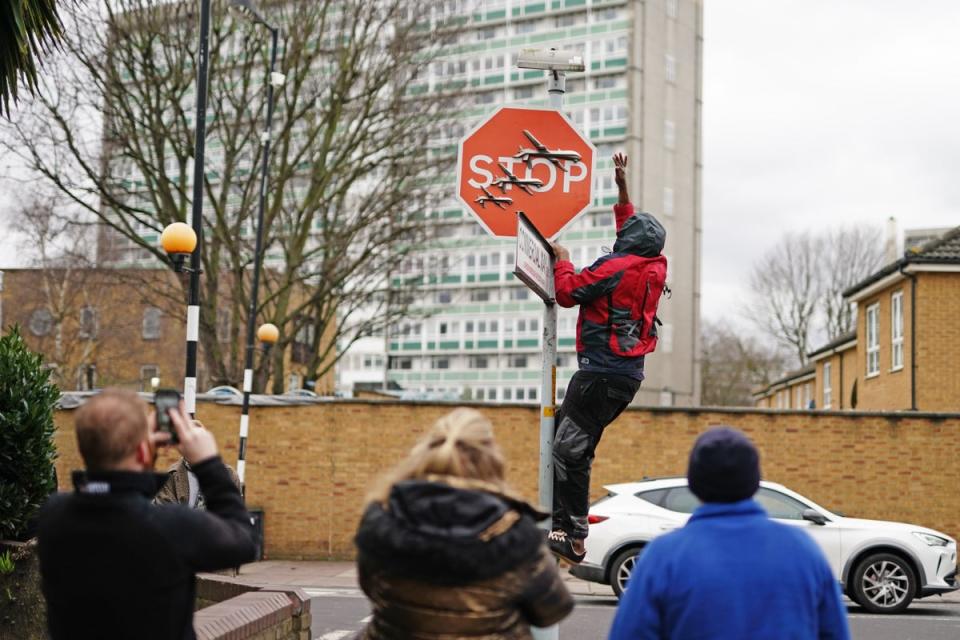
(833,344)
(787,378)
(943,250)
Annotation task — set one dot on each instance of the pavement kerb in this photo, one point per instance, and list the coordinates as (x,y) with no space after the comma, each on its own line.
(271,574)
(343,575)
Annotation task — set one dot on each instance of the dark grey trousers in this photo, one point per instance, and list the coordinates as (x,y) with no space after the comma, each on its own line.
(592,401)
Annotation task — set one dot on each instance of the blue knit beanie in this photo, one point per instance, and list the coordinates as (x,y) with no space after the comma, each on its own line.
(724,466)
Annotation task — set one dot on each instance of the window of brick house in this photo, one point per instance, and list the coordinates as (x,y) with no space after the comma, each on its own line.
(147,373)
(896,330)
(150,328)
(88,323)
(873,339)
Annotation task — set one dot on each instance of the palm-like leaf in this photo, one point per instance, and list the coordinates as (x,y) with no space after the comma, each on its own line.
(28,29)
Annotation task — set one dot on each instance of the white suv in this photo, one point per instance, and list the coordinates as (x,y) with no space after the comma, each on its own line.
(881,565)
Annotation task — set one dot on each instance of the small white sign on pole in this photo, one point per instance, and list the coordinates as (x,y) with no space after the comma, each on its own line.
(534,259)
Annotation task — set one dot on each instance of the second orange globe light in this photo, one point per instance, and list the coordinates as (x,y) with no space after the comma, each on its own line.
(178,237)
(268,333)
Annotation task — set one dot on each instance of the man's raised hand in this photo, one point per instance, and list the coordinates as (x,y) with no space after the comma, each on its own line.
(196,443)
(620,175)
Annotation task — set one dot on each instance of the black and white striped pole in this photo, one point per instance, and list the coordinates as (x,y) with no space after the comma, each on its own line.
(267,334)
(178,236)
(179,240)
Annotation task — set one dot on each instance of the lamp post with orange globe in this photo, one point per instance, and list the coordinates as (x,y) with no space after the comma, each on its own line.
(267,334)
(179,240)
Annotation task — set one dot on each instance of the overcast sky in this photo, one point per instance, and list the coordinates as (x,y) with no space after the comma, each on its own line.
(816,113)
(823,112)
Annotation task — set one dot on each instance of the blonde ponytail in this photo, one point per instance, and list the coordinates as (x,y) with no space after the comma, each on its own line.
(460,444)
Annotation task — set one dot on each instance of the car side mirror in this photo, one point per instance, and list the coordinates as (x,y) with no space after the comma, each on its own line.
(815,517)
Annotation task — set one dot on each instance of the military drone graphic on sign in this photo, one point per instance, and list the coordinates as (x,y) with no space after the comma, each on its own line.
(500,201)
(556,156)
(523,184)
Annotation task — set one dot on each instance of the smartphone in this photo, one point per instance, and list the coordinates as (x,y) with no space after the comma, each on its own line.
(166,400)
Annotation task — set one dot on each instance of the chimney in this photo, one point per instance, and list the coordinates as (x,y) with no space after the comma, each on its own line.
(891,245)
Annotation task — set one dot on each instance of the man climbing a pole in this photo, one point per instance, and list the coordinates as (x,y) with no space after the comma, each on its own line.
(617,326)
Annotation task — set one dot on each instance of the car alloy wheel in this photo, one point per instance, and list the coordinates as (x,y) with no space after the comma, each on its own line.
(622,569)
(884,583)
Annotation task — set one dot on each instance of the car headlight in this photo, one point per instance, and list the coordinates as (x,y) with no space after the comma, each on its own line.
(932,540)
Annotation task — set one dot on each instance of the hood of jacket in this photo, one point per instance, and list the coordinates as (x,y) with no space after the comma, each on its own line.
(447,534)
(642,235)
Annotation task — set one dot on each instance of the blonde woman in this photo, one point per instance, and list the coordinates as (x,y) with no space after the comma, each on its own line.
(446,550)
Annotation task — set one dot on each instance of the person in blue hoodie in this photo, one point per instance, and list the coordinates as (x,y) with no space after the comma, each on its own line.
(731,573)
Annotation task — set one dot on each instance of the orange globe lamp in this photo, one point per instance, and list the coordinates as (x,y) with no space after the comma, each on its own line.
(178,240)
(268,333)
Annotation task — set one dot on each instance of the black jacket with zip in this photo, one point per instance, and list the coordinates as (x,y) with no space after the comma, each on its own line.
(116,566)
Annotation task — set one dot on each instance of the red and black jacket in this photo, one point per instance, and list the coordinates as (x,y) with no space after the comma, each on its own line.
(618,296)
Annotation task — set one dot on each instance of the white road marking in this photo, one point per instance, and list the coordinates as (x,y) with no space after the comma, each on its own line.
(335,635)
(317,592)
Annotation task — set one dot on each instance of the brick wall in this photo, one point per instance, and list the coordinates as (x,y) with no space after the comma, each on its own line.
(308,466)
(235,611)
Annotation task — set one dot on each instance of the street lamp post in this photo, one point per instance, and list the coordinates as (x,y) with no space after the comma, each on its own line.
(274,80)
(267,334)
(193,303)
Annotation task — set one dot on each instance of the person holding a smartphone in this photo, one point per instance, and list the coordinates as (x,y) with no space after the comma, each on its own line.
(113,564)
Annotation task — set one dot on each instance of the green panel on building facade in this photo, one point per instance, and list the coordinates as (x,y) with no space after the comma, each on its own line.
(574,3)
(450,344)
(489,277)
(493,79)
(555,4)
(543,37)
(487,344)
(615,62)
(394,346)
(516,11)
(527,75)
(450,279)
(471,278)
(535,8)
(567,342)
(615,131)
(468,344)
(496,15)
(595,65)
(452,213)
(594,133)
(412,346)
(598,28)
(431,345)
(509,375)
(433,376)
(527,342)
(507,344)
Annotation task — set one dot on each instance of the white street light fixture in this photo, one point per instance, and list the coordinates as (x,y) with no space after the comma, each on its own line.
(549,60)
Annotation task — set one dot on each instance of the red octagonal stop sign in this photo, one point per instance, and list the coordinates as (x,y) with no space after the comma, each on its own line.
(530,160)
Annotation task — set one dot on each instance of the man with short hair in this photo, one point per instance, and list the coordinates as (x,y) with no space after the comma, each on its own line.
(731,573)
(113,564)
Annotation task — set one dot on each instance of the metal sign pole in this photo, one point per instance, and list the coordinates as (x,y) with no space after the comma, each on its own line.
(556,86)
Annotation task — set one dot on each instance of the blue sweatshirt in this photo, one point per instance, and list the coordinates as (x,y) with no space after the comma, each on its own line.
(732,573)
